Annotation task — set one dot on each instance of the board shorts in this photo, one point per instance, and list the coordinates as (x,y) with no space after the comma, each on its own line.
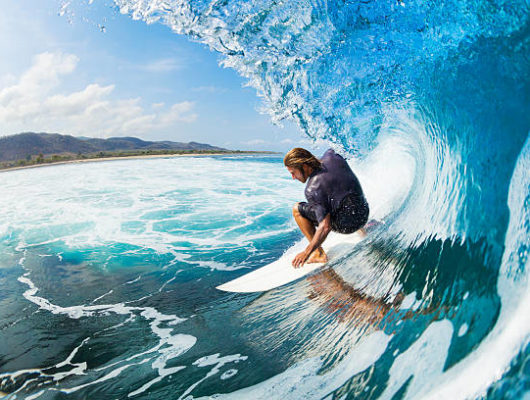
(350,216)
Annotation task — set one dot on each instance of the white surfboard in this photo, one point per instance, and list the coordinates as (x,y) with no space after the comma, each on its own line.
(281,272)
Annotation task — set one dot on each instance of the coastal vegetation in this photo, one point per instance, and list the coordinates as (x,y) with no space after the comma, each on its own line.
(40,159)
(34,149)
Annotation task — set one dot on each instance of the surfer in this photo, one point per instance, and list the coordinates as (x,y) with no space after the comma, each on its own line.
(335,200)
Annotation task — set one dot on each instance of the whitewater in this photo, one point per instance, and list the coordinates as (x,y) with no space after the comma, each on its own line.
(108,269)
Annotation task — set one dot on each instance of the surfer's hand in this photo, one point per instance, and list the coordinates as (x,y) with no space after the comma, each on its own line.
(300,259)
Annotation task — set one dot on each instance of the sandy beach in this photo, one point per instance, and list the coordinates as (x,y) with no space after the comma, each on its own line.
(88,160)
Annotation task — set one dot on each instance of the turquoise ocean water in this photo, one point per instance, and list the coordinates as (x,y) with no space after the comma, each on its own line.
(108,270)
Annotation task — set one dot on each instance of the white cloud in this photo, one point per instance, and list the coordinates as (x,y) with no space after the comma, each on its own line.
(255,142)
(76,103)
(33,102)
(8,80)
(180,112)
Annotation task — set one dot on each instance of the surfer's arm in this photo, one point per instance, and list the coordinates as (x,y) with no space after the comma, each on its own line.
(320,235)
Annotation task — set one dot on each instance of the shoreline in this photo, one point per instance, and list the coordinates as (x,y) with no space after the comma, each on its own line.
(146,156)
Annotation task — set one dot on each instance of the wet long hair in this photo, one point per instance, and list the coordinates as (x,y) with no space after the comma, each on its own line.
(297,157)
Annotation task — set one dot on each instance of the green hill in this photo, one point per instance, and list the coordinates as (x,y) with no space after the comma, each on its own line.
(28,145)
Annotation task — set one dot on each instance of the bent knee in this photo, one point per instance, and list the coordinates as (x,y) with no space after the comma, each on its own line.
(295,209)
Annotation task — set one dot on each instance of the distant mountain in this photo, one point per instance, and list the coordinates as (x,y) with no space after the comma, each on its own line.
(22,145)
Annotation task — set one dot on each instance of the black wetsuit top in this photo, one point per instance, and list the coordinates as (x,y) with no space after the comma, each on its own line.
(334,189)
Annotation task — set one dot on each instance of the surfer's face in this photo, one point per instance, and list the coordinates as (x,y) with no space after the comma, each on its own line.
(298,173)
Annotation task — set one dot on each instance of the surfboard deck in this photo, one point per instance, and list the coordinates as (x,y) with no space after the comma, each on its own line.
(281,271)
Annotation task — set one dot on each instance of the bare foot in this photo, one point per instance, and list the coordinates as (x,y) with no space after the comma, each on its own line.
(317,256)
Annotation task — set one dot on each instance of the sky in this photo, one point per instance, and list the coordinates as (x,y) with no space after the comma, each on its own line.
(82,68)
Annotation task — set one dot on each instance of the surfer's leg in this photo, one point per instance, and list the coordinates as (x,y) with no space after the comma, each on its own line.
(308,229)
(306,226)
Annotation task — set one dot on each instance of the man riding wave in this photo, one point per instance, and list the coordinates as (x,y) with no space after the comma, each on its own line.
(335,200)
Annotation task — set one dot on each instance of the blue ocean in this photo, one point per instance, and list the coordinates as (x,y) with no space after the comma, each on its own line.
(108,270)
